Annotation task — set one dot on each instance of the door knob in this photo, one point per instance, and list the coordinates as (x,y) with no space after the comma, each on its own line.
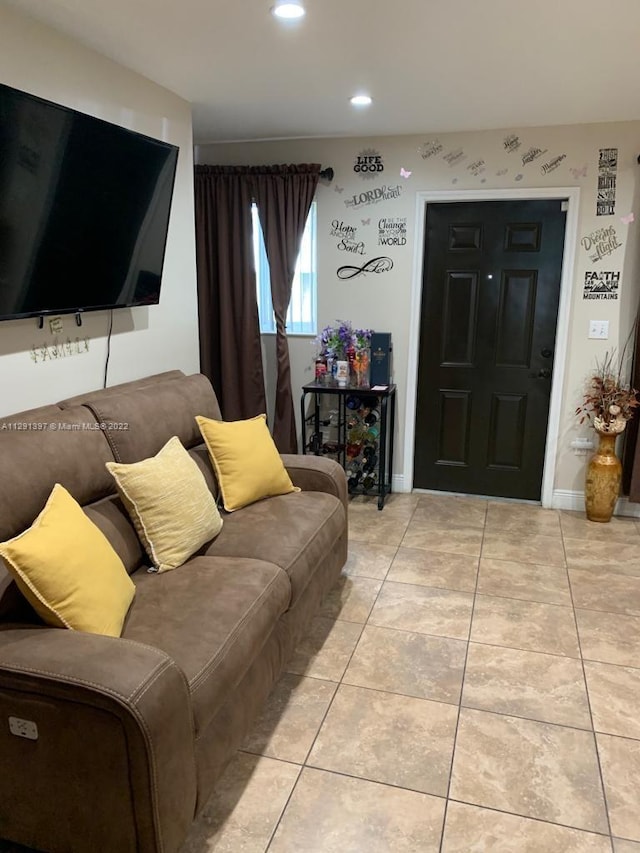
(546,352)
(545,373)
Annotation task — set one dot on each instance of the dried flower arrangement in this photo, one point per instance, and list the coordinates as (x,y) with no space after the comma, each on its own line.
(608,402)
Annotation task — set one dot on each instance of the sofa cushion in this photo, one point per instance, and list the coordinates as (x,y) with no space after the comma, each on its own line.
(68,571)
(122,388)
(43,447)
(212,616)
(293,531)
(247,463)
(110,516)
(140,423)
(170,504)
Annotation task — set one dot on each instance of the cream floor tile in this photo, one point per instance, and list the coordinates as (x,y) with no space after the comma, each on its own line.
(527,625)
(452,540)
(387,738)
(620,762)
(325,651)
(376,530)
(622,846)
(351,599)
(575,525)
(533,548)
(369,561)
(245,808)
(526,684)
(609,637)
(470,828)
(524,580)
(329,813)
(396,504)
(522,518)
(599,589)
(447,510)
(434,568)
(291,718)
(413,664)
(424,610)
(528,768)
(614,693)
(619,557)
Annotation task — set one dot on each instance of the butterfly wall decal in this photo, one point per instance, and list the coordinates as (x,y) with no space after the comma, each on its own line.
(404,173)
(628,219)
(366,221)
(579,173)
(338,189)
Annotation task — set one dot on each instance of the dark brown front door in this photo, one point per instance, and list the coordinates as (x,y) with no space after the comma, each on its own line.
(491,284)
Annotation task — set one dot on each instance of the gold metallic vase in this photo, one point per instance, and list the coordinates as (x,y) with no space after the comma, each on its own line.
(603,479)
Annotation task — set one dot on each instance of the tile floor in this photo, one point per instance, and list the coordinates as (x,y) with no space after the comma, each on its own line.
(472,684)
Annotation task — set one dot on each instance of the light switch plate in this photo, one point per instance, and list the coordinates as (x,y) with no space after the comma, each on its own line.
(599,329)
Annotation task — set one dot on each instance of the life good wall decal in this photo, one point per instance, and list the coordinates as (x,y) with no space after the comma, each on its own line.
(600,243)
(375,265)
(383,193)
(369,163)
(607,177)
(601,285)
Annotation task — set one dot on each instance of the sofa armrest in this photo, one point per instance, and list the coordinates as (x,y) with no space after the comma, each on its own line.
(113,765)
(317,474)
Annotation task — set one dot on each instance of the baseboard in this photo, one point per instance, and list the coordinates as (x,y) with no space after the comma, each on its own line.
(397,483)
(567,499)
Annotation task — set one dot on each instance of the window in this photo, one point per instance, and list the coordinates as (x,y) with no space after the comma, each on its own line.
(301,316)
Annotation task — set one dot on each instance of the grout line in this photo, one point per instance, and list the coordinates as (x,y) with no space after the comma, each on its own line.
(464,673)
(330,704)
(586,688)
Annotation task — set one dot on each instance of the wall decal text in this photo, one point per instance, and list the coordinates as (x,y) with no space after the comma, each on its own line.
(552,165)
(477,167)
(341,229)
(430,149)
(601,285)
(607,176)
(453,158)
(511,143)
(392,231)
(601,243)
(383,193)
(58,349)
(368,163)
(532,154)
(375,265)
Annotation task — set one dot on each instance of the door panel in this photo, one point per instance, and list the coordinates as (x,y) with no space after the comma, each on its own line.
(491,285)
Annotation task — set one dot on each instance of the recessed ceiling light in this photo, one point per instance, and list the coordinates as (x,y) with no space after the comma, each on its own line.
(361,100)
(288,9)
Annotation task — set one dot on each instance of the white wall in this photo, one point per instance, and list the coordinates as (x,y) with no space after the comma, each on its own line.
(145,340)
(383,301)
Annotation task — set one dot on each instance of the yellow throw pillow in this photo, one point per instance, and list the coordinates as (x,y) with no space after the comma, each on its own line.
(246,460)
(68,571)
(169,503)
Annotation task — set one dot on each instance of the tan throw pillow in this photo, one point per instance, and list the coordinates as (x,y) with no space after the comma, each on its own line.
(68,571)
(246,461)
(171,508)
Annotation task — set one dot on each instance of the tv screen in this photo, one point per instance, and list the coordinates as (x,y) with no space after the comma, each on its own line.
(84,210)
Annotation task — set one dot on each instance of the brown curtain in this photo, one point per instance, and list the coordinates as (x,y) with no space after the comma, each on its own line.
(230,351)
(283,196)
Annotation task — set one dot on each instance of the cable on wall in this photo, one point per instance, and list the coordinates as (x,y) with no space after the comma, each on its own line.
(106,363)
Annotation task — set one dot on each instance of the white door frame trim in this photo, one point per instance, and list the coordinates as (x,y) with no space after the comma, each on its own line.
(572,194)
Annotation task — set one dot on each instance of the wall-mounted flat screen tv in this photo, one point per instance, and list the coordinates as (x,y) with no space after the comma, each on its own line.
(84,210)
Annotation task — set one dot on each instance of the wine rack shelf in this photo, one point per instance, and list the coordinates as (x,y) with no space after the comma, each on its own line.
(357,432)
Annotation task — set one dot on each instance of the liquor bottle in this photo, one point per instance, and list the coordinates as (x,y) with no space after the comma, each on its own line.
(372,417)
(321,370)
(369,482)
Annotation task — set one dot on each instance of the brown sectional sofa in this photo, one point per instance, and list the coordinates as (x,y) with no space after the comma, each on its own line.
(133,733)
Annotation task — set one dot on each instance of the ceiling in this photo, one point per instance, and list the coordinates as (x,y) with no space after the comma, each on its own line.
(430,65)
